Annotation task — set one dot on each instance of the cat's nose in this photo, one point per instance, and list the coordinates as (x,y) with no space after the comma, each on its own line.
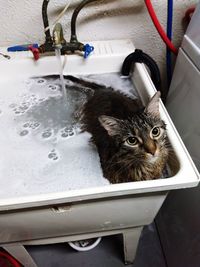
(150,148)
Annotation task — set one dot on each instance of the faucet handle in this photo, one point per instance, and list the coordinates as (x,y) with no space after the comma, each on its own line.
(87,50)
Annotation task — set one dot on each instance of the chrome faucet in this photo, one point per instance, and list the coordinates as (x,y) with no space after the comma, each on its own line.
(57,36)
(57,39)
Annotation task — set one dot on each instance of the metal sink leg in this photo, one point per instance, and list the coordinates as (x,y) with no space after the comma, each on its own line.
(131,238)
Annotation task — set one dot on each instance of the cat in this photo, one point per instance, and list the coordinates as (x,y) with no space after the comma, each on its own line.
(131,140)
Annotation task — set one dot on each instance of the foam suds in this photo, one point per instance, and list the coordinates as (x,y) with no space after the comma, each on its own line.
(42,149)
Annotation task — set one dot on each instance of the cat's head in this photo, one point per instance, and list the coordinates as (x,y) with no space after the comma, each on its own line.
(142,136)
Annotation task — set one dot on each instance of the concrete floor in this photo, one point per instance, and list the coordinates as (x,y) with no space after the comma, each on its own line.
(109,253)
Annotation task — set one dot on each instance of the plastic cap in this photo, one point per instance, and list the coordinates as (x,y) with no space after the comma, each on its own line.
(87,50)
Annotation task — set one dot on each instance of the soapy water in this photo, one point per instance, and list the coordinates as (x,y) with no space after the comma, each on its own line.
(42,149)
(44,108)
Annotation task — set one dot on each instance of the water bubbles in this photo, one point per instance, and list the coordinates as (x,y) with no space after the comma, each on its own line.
(23,107)
(64,135)
(41,81)
(69,83)
(17,112)
(31,125)
(46,134)
(53,155)
(67,132)
(42,114)
(20,108)
(24,132)
(67,129)
(53,87)
(12,105)
(24,104)
(26,125)
(36,125)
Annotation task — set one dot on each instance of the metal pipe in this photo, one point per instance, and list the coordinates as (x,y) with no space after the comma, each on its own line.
(74,17)
(71,46)
(46,21)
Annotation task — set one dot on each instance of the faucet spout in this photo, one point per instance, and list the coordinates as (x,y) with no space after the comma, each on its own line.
(58,38)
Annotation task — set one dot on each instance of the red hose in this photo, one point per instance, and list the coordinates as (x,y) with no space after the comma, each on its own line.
(10,259)
(159,27)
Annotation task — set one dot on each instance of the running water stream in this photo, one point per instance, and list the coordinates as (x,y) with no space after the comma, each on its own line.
(58,56)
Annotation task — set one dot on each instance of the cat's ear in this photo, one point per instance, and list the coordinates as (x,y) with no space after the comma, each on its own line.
(110,124)
(153,106)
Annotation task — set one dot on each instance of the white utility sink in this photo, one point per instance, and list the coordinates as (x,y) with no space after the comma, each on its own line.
(42,209)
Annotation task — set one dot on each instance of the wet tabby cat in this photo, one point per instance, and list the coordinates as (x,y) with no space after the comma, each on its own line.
(131,140)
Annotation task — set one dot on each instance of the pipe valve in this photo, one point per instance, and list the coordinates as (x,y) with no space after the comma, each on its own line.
(87,50)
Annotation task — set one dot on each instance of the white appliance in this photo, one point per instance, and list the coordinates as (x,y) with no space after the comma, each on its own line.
(179,219)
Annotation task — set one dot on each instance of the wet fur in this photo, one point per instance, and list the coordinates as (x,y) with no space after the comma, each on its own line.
(128,117)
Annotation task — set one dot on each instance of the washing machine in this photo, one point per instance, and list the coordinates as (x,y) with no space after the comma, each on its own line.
(178,221)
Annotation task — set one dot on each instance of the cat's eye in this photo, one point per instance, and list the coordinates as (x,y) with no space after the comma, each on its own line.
(155,132)
(132,141)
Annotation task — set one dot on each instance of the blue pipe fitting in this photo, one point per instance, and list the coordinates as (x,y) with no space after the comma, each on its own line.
(87,50)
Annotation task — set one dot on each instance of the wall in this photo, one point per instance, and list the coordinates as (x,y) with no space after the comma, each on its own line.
(105,19)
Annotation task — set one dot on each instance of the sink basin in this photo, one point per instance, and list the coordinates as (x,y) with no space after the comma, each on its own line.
(41,157)
(52,188)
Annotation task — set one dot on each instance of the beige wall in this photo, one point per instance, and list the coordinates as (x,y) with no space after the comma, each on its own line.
(108,19)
